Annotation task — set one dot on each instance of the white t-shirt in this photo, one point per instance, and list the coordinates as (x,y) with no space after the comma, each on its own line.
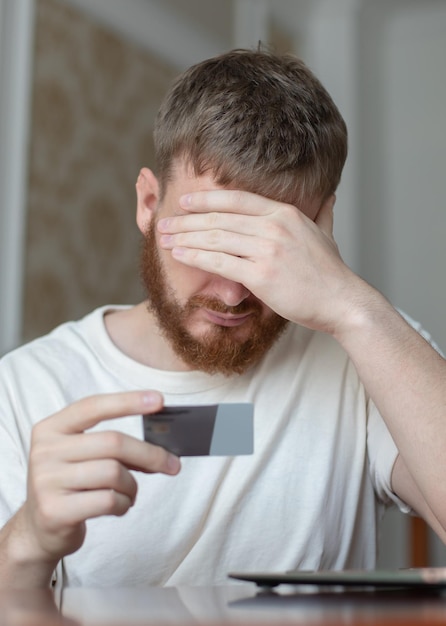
(310,496)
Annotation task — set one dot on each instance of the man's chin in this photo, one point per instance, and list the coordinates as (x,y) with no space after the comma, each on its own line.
(224,350)
(207,333)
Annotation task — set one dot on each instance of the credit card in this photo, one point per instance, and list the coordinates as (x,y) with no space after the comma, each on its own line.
(225,429)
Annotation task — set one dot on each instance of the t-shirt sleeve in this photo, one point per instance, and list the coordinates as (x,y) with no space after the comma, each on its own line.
(14,446)
(382,453)
(381,448)
(12,475)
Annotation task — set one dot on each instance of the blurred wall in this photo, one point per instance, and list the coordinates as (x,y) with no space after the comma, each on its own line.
(94,99)
(16,44)
(403,138)
(403,165)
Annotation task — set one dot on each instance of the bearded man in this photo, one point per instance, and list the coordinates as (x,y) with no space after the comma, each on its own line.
(248,300)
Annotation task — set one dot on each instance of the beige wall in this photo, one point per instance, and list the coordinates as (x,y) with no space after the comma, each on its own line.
(94,100)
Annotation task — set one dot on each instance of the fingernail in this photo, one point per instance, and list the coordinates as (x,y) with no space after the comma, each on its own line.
(177,252)
(173,464)
(151,398)
(163,224)
(186,200)
(165,240)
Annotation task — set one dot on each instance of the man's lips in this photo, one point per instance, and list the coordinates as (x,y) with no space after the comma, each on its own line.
(226,319)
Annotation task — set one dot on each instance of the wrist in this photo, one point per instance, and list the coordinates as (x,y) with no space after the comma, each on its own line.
(23,564)
(363,311)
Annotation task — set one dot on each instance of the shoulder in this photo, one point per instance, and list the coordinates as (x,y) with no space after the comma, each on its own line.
(68,334)
(55,363)
(301,352)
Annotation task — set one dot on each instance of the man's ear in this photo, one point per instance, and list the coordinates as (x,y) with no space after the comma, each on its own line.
(147,196)
(324,218)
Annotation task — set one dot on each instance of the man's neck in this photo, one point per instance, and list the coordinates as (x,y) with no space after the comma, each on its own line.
(136,333)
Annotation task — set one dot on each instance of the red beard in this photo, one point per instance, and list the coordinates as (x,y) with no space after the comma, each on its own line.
(218,350)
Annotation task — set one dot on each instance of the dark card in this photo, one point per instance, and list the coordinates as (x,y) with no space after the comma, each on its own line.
(216,429)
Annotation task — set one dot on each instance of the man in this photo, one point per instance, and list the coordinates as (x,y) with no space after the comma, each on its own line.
(248,300)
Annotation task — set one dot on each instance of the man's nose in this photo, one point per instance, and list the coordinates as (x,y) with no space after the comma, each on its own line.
(229,292)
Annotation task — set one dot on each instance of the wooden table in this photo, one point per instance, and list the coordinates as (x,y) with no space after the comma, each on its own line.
(235,604)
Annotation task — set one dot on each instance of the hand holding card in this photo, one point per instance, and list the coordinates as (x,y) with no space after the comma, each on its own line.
(216,429)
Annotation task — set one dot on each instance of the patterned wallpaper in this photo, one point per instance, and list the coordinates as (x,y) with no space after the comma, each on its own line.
(94,100)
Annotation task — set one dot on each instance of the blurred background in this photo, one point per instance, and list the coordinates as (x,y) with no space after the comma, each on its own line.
(80,83)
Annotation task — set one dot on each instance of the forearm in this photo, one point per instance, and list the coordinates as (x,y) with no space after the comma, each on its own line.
(406,379)
(20,565)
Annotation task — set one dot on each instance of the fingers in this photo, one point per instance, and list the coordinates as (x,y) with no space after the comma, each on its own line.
(97,475)
(228,266)
(97,503)
(213,223)
(75,475)
(88,412)
(50,440)
(73,450)
(219,240)
(232,222)
(228,200)
(133,453)
(104,487)
(78,507)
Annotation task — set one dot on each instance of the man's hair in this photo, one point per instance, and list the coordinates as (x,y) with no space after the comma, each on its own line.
(256,121)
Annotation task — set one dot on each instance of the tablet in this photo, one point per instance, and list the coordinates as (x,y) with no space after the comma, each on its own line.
(429,578)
